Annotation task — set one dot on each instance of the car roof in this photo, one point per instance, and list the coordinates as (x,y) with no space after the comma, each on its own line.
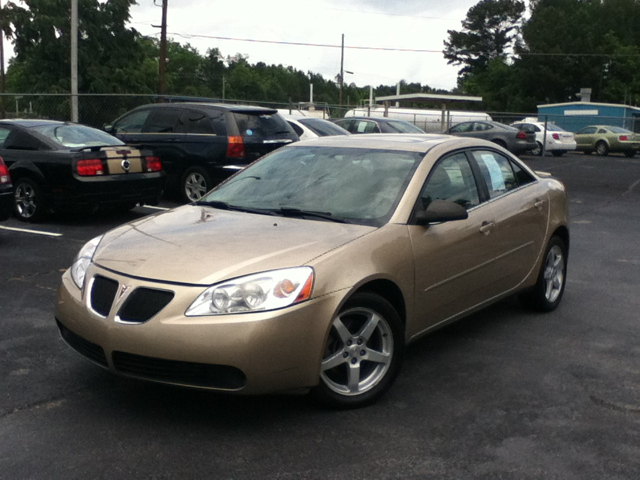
(31,122)
(410,142)
(210,106)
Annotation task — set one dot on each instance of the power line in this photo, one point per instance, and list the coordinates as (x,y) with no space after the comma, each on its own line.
(303,44)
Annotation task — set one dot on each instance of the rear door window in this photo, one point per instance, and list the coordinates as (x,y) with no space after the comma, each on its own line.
(501,175)
(162,120)
(195,123)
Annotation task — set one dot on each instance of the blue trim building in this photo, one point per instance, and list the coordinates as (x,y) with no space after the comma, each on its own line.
(573,116)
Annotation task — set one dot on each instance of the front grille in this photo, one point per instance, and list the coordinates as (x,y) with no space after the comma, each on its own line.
(144,303)
(103,291)
(84,347)
(185,373)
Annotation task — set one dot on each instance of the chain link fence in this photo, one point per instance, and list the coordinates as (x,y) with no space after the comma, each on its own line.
(98,110)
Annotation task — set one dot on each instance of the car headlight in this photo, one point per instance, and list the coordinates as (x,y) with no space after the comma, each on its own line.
(83,260)
(254,293)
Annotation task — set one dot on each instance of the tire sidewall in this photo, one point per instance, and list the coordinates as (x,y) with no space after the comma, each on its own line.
(39,203)
(186,175)
(536,298)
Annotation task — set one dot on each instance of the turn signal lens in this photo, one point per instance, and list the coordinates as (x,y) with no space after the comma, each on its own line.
(235,148)
(153,164)
(89,168)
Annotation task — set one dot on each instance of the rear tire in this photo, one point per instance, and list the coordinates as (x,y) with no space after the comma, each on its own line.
(363,353)
(545,296)
(602,149)
(630,154)
(29,204)
(558,153)
(194,184)
(538,150)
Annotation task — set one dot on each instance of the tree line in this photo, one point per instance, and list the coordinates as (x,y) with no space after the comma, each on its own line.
(513,57)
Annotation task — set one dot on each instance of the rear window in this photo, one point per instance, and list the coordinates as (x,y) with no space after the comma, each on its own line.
(261,126)
(619,130)
(322,127)
(76,136)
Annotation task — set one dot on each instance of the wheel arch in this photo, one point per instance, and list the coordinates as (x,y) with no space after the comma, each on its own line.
(27,169)
(562,232)
(390,292)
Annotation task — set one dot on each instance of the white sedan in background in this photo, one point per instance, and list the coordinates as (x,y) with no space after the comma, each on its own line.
(558,141)
(312,127)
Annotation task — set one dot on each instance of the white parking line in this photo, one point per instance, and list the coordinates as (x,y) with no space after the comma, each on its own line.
(37,232)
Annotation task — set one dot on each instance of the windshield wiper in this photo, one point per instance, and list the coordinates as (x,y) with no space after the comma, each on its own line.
(299,213)
(225,206)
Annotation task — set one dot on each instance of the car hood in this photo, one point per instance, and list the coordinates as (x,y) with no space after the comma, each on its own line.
(202,245)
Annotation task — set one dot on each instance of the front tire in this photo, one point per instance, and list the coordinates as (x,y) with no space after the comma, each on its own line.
(195,183)
(602,149)
(537,152)
(29,204)
(363,353)
(549,288)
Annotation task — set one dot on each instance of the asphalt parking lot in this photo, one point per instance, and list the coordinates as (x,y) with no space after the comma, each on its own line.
(505,393)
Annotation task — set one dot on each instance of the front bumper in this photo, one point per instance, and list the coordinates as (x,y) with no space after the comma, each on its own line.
(248,353)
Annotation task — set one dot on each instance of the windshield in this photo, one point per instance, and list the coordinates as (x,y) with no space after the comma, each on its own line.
(345,184)
(76,136)
(322,127)
(403,127)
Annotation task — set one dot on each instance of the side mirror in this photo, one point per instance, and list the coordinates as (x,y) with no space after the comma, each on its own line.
(440,211)
(109,129)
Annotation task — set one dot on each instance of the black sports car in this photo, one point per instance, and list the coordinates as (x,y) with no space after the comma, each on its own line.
(62,166)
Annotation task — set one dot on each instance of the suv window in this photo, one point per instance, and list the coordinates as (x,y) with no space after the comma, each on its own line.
(260,125)
(195,123)
(131,123)
(4,132)
(162,120)
(453,180)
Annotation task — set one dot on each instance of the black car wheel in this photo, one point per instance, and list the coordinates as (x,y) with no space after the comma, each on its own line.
(363,353)
(29,205)
(194,184)
(602,149)
(547,293)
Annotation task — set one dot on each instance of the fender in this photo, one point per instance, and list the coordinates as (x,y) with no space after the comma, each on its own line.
(27,168)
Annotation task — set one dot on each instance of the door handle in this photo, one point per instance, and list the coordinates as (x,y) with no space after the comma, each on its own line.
(539,204)
(486,227)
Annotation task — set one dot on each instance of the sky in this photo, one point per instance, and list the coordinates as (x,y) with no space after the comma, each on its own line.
(392,25)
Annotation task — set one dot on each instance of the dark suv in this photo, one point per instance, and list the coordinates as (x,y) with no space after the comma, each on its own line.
(201,144)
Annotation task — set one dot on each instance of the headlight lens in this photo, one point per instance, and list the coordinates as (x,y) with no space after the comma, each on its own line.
(254,293)
(83,260)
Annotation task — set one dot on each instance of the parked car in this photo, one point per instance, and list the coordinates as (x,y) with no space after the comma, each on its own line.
(6,192)
(61,166)
(605,139)
(201,144)
(558,141)
(315,265)
(311,127)
(514,140)
(376,125)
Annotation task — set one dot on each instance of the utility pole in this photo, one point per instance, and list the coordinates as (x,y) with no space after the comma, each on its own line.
(162,65)
(2,84)
(341,69)
(74,61)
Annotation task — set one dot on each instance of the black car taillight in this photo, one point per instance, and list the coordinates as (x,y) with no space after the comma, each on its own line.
(5,178)
(235,147)
(90,168)
(521,135)
(153,164)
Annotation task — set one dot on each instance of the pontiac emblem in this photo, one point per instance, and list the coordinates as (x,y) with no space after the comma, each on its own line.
(123,290)
(126,165)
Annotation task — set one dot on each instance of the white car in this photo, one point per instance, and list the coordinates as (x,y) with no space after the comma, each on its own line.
(312,127)
(558,141)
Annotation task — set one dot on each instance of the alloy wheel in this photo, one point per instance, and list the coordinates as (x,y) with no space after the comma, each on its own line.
(554,274)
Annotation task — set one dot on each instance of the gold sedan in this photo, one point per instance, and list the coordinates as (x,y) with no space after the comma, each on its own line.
(316,265)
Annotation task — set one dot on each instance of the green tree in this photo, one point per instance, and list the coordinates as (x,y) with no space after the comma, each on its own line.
(490,30)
